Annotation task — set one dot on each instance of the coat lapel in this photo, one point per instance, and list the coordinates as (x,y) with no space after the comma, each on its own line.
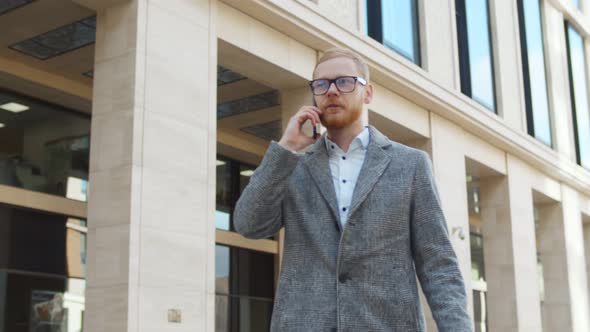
(376,161)
(319,167)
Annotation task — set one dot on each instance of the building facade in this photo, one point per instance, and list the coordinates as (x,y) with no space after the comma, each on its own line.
(128,129)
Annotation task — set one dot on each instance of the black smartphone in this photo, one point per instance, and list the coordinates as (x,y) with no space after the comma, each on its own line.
(316,129)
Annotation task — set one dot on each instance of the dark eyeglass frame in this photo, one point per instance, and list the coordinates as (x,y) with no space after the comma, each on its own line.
(358,79)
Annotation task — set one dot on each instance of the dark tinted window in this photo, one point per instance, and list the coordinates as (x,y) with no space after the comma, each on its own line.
(533,63)
(244,286)
(43,147)
(394,23)
(42,243)
(232,178)
(579,94)
(475,51)
(42,266)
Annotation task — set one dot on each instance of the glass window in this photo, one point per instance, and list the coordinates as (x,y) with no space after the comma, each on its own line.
(477,263)
(540,267)
(478,277)
(43,147)
(579,94)
(232,178)
(244,286)
(480,311)
(245,173)
(224,202)
(394,23)
(42,271)
(533,64)
(478,271)
(475,51)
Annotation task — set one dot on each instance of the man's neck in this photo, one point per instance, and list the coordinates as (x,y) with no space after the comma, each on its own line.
(344,136)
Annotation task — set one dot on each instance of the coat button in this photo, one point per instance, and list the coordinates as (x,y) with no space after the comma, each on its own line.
(343,278)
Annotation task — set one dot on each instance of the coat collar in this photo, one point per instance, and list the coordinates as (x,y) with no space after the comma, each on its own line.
(376,161)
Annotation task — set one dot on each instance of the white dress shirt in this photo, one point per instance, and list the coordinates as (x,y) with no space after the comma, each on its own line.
(345,169)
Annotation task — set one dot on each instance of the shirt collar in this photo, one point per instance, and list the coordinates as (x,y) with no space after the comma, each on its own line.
(360,141)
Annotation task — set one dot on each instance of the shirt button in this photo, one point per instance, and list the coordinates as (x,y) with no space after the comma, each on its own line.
(332,146)
(344,209)
(343,181)
(343,277)
(343,158)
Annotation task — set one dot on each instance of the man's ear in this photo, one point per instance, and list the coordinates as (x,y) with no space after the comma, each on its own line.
(368,94)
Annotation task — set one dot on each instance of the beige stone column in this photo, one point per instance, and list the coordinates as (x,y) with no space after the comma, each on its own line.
(556,310)
(523,246)
(557,79)
(498,254)
(449,169)
(576,261)
(439,41)
(507,63)
(151,238)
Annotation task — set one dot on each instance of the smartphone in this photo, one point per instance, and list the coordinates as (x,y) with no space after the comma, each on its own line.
(316,128)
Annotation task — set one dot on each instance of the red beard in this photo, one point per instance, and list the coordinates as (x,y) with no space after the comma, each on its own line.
(341,119)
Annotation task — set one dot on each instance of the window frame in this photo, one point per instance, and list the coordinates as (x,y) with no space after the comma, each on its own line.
(465,58)
(528,97)
(374,29)
(573,102)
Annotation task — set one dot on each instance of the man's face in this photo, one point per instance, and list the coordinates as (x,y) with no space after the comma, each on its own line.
(339,109)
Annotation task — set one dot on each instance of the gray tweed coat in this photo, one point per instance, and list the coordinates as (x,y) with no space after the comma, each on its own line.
(362,277)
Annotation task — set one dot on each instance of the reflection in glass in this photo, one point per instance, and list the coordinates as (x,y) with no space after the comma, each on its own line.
(42,243)
(232,178)
(480,311)
(222,220)
(579,95)
(250,314)
(42,271)
(221,269)
(244,285)
(394,23)
(540,269)
(41,303)
(77,188)
(44,148)
(400,31)
(76,247)
(245,173)
(477,260)
(223,196)
(533,61)
(475,51)
(478,271)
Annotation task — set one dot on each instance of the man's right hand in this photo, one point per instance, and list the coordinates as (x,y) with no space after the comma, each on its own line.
(293,138)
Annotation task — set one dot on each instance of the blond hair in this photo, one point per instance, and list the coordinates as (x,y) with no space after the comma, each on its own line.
(346,53)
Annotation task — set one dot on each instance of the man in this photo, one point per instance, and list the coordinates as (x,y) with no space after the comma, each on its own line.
(362,218)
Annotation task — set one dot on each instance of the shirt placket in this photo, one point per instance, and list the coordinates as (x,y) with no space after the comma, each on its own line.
(344,163)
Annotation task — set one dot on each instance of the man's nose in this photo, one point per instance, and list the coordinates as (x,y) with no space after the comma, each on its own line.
(332,89)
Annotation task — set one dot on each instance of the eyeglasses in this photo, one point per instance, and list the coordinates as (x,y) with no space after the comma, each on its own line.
(343,84)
